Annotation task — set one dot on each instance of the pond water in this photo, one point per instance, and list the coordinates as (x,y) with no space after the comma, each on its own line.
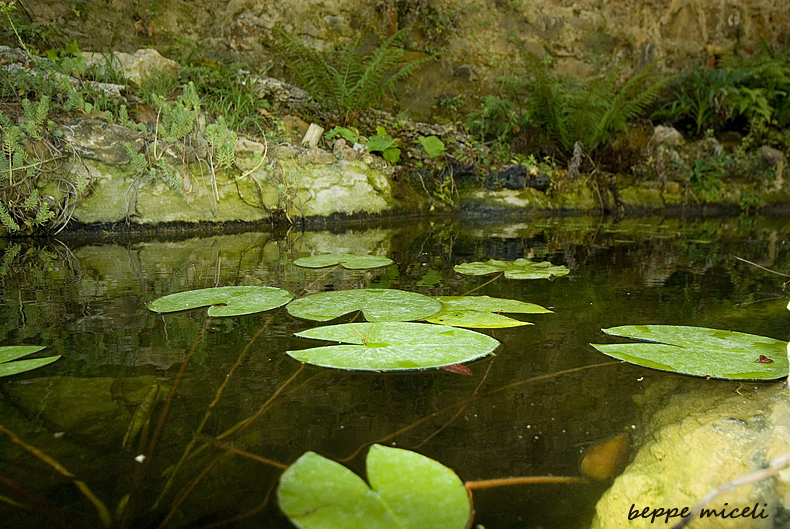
(530,410)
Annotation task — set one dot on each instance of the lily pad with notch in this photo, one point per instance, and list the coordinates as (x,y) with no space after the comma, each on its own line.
(407,491)
(393,346)
(224,301)
(700,351)
(9,365)
(346,260)
(376,304)
(518,269)
(483,312)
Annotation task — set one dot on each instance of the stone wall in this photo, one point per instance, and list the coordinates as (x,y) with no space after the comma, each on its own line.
(473,40)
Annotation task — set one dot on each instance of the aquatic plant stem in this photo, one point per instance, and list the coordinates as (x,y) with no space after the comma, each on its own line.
(141,470)
(523,480)
(466,401)
(484,284)
(101,509)
(460,409)
(213,461)
(206,416)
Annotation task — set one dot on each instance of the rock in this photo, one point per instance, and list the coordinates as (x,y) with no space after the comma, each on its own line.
(138,67)
(514,177)
(317,155)
(313,135)
(775,159)
(666,136)
(541,182)
(697,436)
(296,127)
(342,151)
(101,141)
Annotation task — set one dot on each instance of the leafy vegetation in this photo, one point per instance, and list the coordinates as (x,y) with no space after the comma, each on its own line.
(700,351)
(518,269)
(376,304)
(11,365)
(346,260)
(406,491)
(344,80)
(566,109)
(393,346)
(224,301)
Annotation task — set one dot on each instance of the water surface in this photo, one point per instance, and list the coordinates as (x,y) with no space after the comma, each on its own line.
(530,410)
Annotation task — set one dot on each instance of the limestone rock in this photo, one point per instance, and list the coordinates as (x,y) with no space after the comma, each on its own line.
(101,141)
(137,67)
(698,436)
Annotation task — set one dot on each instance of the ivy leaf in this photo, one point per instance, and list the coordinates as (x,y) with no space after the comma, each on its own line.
(700,351)
(482,312)
(346,260)
(224,301)
(407,491)
(518,269)
(377,304)
(12,352)
(393,346)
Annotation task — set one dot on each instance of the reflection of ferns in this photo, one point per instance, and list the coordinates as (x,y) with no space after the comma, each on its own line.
(344,80)
(589,111)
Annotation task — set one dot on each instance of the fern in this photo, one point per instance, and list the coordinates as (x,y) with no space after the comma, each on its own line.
(35,117)
(7,220)
(573,110)
(344,80)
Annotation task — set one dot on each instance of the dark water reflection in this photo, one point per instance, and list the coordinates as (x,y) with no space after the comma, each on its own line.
(87,302)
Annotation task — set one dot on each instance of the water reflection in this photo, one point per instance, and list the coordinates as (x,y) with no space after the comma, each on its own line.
(86,300)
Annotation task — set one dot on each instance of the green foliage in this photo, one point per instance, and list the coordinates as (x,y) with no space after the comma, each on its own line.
(482,312)
(567,108)
(28,163)
(705,177)
(393,346)
(346,260)
(344,80)
(385,144)
(223,143)
(433,146)
(343,132)
(700,351)
(406,491)
(376,304)
(224,301)
(754,90)
(13,352)
(518,269)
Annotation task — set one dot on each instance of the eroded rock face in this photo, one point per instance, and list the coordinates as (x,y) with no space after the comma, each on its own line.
(475,35)
(292,182)
(697,436)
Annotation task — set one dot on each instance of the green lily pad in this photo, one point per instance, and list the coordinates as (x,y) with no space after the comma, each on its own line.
(346,260)
(224,301)
(700,351)
(407,491)
(518,269)
(12,352)
(482,312)
(377,304)
(393,346)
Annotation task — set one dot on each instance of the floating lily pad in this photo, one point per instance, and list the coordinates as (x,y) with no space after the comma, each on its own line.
(407,491)
(12,352)
(482,312)
(224,301)
(700,351)
(377,304)
(346,260)
(518,269)
(393,346)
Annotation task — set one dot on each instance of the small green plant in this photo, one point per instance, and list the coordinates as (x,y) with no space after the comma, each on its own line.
(385,144)
(28,161)
(346,133)
(344,80)
(705,177)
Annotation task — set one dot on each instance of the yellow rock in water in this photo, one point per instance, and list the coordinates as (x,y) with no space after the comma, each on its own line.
(607,459)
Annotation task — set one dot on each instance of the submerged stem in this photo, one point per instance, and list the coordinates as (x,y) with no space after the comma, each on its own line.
(101,509)
(522,480)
